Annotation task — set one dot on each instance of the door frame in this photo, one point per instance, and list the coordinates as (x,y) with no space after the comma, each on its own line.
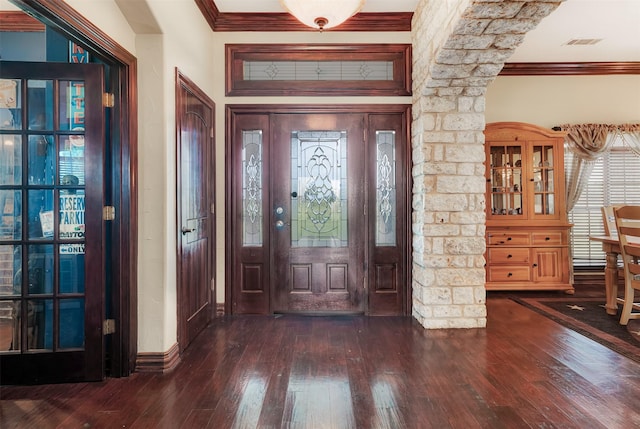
(123,131)
(265,109)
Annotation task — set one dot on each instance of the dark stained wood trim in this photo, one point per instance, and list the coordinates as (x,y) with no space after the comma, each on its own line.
(124,236)
(158,362)
(238,54)
(16,20)
(219,21)
(560,69)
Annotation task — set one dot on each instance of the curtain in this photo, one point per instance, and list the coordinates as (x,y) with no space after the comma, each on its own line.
(587,142)
(631,136)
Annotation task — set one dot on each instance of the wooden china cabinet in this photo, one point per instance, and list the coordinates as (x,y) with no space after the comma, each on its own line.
(527,226)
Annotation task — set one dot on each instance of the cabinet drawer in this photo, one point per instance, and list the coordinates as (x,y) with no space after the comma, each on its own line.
(509,239)
(520,273)
(502,255)
(552,238)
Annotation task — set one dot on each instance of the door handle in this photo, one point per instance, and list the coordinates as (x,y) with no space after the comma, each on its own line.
(186,230)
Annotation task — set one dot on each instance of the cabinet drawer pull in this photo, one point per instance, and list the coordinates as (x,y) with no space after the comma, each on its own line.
(547,238)
(509,256)
(535,265)
(510,274)
(508,238)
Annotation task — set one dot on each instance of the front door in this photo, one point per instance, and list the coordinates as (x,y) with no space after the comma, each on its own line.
(318,223)
(52,276)
(317,217)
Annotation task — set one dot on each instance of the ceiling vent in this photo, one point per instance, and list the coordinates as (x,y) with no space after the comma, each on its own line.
(583,42)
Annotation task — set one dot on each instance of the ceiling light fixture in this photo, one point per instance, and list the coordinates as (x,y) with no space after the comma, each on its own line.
(322,14)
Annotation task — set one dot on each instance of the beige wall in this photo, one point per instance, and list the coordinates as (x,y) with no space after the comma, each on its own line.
(220,40)
(556,100)
(199,53)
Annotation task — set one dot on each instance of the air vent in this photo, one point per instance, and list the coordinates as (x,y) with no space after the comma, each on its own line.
(583,42)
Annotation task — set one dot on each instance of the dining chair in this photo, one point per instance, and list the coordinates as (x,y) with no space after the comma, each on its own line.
(608,220)
(628,226)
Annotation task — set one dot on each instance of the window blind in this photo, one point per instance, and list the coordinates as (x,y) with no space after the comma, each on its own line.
(614,180)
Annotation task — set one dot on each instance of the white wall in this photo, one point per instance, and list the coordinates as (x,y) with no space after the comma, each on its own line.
(554,100)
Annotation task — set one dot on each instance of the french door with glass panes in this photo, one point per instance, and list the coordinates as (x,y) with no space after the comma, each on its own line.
(318,213)
(51,231)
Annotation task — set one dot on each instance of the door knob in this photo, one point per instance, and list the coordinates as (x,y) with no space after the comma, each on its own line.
(186,230)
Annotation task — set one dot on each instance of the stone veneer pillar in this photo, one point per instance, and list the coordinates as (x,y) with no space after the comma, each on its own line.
(459,47)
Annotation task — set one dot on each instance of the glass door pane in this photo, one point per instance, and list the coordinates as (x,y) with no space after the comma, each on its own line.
(42,206)
(543,180)
(319,184)
(505,180)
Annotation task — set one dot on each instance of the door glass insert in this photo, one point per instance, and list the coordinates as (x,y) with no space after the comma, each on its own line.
(40,104)
(42,207)
(319,189)
(70,325)
(252,188)
(386,188)
(39,320)
(10,104)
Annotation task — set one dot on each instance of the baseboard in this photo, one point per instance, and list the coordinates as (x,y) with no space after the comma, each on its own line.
(219,309)
(158,362)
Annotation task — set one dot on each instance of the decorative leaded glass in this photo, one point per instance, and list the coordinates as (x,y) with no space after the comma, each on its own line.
(319,185)
(385,188)
(318,70)
(252,188)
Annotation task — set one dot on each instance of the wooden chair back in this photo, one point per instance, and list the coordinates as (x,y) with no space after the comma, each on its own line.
(627,219)
(608,220)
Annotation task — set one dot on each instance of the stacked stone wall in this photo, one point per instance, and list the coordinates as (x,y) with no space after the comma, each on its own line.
(459,47)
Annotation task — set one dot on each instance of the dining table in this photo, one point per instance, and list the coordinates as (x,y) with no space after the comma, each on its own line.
(611,248)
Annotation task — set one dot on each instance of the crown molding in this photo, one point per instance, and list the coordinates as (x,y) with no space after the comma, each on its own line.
(570,69)
(219,21)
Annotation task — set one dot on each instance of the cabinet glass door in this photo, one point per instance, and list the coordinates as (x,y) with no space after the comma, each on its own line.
(505,180)
(543,180)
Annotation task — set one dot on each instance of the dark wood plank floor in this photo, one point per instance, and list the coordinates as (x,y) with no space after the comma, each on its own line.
(522,371)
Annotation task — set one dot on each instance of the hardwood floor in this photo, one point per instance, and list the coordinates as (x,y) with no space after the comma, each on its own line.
(522,371)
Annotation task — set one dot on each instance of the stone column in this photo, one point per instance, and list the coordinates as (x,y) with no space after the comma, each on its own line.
(459,47)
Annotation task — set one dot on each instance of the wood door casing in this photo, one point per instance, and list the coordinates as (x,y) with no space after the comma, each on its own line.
(195,221)
(254,270)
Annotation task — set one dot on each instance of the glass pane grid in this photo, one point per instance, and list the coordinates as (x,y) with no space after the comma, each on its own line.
(506,180)
(42,217)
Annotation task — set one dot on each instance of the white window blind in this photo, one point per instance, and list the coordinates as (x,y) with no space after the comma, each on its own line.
(615,180)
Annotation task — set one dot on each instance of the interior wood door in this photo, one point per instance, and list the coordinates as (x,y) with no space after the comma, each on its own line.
(196,297)
(317,188)
(52,269)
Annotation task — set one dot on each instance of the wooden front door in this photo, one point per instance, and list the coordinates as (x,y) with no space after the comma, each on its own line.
(52,269)
(318,222)
(317,217)
(194,119)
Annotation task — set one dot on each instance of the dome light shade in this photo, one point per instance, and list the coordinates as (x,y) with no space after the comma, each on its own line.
(322,14)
